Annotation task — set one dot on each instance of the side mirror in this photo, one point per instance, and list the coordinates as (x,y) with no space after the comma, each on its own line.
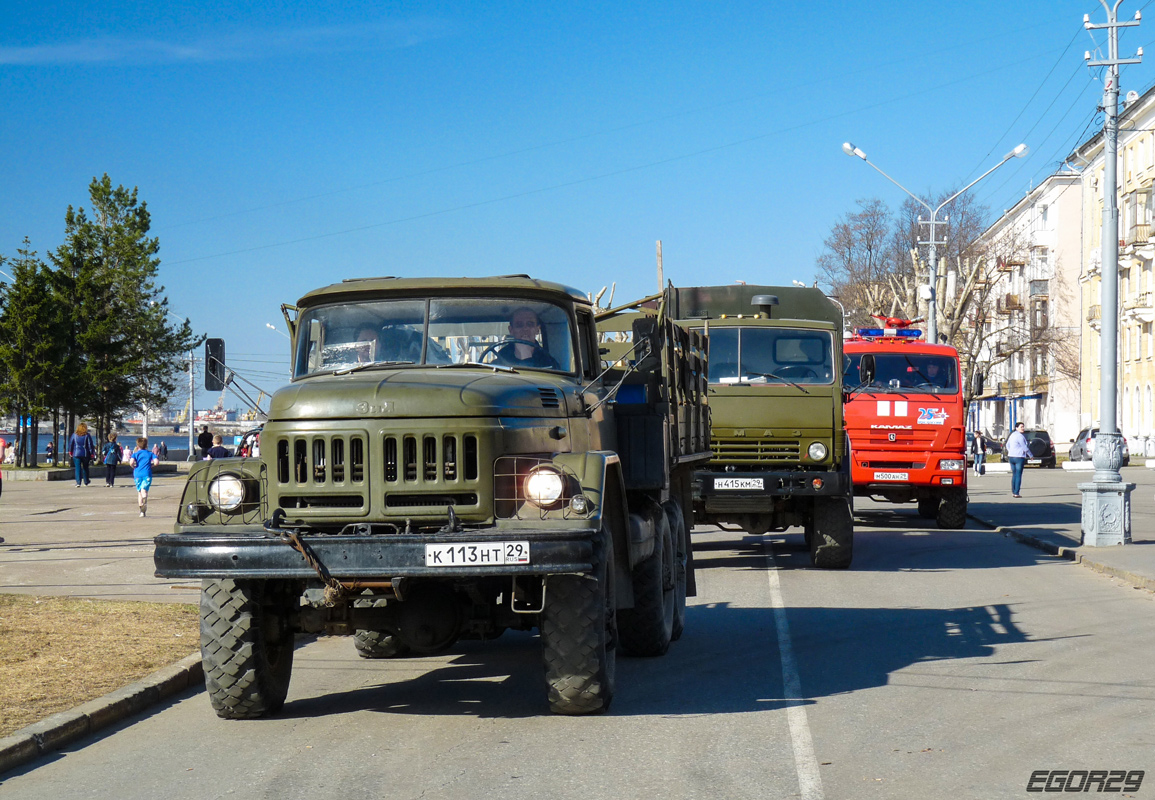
(866,368)
(215,377)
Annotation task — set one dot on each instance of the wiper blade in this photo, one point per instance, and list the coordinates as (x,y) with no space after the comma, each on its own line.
(497,367)
(369,365)
(780,378)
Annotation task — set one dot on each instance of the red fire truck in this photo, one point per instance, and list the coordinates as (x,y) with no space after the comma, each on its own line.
(907,421)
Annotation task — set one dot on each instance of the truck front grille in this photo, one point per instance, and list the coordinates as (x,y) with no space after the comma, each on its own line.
(327,477)
(753,451)
(436,459)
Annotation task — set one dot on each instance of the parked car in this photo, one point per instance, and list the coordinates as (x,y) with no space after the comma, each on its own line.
(1042,448)
(1083,448)
(993,446)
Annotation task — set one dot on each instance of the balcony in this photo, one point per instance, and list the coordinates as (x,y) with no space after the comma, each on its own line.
(1008,265)
(1138,234)
(1040,384)
(1141,307)
(1094,313)
(1009,304)
(1011,388)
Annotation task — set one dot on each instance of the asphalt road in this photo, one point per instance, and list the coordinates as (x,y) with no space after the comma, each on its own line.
(942,665)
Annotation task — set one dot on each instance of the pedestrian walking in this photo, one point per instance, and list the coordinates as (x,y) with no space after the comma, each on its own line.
(205,441)
(50,452)
(3,453)
(111,455)
(81,449)
(1017,454)
(979,448)
(142,459)
(163,451)
(218,450)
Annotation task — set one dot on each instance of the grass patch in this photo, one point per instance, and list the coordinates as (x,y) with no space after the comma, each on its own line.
(59,652)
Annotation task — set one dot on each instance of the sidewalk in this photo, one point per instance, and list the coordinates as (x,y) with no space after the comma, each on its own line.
(1049,517)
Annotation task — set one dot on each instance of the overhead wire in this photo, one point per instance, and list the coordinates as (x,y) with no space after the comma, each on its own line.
(1026,105)
(567,140)
(609,174)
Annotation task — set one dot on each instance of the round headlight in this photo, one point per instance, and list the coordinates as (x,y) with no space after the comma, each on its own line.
(226,492)
(544,486)
(816,451)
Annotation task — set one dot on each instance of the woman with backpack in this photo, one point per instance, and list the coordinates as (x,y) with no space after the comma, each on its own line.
(81,449)
(111,456)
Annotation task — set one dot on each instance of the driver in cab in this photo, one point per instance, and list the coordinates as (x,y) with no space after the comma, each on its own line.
(523,348)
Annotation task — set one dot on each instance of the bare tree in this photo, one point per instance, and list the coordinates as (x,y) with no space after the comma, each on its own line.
(976,312)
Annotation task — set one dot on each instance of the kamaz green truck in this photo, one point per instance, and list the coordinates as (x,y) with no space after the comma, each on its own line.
(452,459)
(780,452)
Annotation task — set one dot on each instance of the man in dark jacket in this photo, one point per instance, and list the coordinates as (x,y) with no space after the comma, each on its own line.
(205,441)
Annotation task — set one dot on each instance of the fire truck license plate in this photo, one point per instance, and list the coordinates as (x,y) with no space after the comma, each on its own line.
(478,554)
(892,476)
(738,483)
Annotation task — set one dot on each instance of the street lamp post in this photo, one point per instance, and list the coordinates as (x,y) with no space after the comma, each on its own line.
(932,252)
(1106,517)
(191,397)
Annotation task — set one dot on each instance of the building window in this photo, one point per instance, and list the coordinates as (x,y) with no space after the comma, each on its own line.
(1147,410)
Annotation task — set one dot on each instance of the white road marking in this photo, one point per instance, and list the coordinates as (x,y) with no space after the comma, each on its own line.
(805,764)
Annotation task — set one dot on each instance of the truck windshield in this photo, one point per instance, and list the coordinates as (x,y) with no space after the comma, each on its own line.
(912,372)
(770,355)
(509,332)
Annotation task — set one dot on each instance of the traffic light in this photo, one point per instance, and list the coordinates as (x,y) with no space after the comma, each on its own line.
(214,364)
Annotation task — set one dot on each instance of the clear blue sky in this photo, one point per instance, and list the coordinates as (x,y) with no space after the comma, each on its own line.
(290,145)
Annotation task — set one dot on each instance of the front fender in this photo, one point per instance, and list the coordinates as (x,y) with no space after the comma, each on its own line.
(600,474)
(195,508)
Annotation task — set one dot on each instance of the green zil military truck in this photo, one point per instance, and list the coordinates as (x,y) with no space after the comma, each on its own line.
(780,452)
(452,459)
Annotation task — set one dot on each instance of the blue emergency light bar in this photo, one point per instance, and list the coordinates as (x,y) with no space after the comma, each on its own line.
(907,333)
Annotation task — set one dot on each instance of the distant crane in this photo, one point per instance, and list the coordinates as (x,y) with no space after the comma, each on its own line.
(183,416)
(251,414)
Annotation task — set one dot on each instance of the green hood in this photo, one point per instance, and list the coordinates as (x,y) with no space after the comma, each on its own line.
(407,393)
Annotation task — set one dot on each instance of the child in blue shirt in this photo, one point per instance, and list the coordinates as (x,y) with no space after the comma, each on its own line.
(142,459)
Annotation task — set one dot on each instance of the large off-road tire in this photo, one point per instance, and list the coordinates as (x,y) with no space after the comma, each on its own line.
(379,644)
(681,533)
(832,545)
(246,647)
(952,509)
(928,507)
(648,628)
(579,636)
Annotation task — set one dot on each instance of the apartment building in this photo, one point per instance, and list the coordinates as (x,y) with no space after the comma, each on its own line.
(1031,334)
(1136,346)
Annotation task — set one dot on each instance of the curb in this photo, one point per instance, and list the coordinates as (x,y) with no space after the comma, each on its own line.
(61,729)
(1071,554)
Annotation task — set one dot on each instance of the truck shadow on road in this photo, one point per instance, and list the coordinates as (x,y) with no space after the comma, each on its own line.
(726,662)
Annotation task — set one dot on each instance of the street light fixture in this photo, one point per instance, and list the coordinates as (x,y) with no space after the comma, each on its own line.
(273,327)
(932,304)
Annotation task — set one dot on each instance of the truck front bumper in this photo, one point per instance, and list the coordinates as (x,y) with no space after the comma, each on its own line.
(226,552)
(756,488)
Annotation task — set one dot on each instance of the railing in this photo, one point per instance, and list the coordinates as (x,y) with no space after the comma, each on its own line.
(1040,384)
(1141,300)
(1139,233)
